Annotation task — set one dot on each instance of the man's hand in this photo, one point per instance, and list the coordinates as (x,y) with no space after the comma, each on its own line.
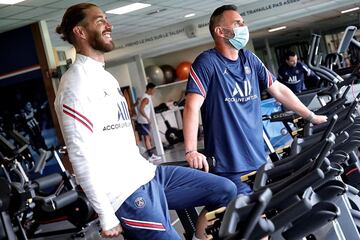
(197,160)
(317,119)
(114,232)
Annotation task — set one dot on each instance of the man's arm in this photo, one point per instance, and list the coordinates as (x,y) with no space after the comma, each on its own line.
(285,96)
(190,129)
(77,124)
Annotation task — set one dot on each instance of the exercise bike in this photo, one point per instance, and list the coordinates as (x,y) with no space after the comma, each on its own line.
(26,204)
(172,135)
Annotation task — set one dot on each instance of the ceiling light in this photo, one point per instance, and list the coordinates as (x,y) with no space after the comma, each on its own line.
(129,8)
(10,1)
(189,15)
(350,10)
(277,29)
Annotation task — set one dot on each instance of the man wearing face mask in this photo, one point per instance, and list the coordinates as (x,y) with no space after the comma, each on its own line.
(293,72)
(225,82)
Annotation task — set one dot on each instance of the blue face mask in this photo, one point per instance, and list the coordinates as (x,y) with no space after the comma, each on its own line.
(241,37)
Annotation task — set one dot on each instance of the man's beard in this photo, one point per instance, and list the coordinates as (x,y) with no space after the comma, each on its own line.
(228,34)
(97,42)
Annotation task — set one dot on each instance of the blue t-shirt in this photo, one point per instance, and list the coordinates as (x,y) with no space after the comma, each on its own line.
(293,77)
(231,112)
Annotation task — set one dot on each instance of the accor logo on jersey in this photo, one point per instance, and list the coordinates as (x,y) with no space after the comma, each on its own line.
(241,92)
(116,126)
(122,114)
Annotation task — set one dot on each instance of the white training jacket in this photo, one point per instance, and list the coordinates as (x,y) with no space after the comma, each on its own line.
(97,130)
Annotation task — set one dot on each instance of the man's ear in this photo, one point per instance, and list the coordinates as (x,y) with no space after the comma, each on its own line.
(219,31)
(80,32)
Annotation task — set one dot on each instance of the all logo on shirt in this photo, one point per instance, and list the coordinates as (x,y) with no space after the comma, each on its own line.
(293,79)
(123,112)
(123,116)
(241,92)
(139,202)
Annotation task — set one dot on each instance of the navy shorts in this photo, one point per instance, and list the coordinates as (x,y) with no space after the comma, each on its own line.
(136,125)
(145,215)
(242,187)
(144,129)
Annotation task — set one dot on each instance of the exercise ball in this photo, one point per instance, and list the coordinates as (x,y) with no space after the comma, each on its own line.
(183,70)
(169,73)
(155,74)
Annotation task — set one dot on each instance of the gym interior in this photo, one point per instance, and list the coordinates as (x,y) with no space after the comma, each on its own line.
(309,189)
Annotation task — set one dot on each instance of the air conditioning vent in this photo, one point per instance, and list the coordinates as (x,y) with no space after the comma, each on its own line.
(156,11)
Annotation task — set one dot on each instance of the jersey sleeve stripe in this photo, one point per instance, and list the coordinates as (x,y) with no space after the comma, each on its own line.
(270,79)
(144,224)
(78,119)
(79,114)
(197,81)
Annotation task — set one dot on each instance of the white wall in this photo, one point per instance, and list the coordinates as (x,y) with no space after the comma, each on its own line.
(137,78)
(174,58)
(121,73)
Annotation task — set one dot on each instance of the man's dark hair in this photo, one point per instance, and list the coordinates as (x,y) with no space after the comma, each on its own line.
(150,86)
(289,54)
(72,17)
(217,15)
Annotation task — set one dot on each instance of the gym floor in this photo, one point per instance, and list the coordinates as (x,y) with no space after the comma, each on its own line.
(92,232)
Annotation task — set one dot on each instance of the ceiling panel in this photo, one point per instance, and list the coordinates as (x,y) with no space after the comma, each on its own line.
(11,10)
(34,13)
(17,24)
(140,21)
(170,14)
(36,3)
(115,4)
(308,19)
(6,22)
(103,3)
(66,3)
(57,15)
(122,19)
